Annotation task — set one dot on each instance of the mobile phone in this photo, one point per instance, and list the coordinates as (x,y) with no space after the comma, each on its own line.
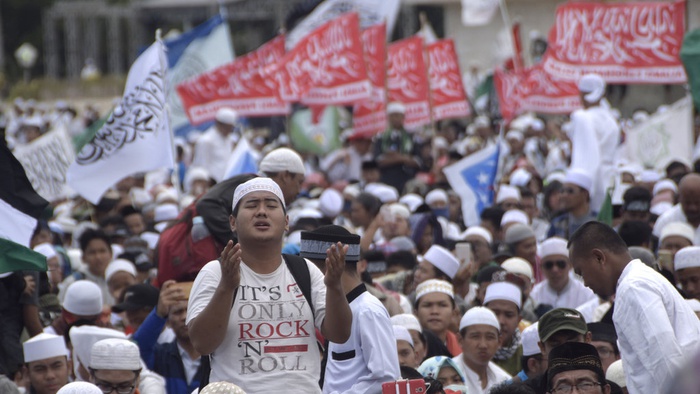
(463,251)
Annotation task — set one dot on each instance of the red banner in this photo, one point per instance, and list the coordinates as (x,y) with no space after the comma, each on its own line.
(369,116)
(407,80)
(327,66)
(446,88)
(623,42)
(241,85)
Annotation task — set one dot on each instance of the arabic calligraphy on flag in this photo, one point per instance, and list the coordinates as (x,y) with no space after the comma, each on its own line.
(369,116)
(446,88)
(407,80)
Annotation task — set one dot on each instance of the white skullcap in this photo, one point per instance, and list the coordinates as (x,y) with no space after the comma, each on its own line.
(506,192)
(119,265)
(479,315)
(401,334)
(554,246)
(678,229)
(115,353)
(412,201)
(33,121)
(195,174)
(43,346)
(580,178)
(165,212)
(79,388)
(479,232)
(227,116)
(395,108)
(282,159)
(504,291)
(516,265)
(555,176)
(640,116)
(515,216)
(688,257)
(46,249)
(537,124)
(649,176)
(515,135)
(482,121)
(66,223)
(616,373)
(140,197)
(259,184)
(399,210)
(660,207)
(442,259)
(518,232)
(436,195)
(593,85)
(693,304)
(529,339)
(407,320)
(434,286)
(83,337)
(383,192)
(440,142)
(520,177)
(665,184)
(331,203)
(221,388)
(352,190)
(167,195)
(83,298)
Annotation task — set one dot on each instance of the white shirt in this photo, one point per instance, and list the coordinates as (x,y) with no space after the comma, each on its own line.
(270,343)
(337,169)
(656,329)
(571,296)
(188,364)
(494,374)
(369,357)
(212,151)
(675,214)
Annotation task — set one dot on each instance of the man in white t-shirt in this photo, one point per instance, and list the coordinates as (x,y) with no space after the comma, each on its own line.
(248,313)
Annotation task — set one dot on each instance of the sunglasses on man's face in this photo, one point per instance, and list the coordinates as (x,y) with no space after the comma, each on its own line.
(561,264)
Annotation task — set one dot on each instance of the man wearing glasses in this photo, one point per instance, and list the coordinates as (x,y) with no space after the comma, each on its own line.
(575,201)
(576,365)
(559,289)
(115,366)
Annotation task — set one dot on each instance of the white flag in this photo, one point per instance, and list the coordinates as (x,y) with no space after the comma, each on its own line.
(478,12)
(135,138)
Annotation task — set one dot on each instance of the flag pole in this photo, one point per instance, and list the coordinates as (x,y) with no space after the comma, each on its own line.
(175,177)
(509,25)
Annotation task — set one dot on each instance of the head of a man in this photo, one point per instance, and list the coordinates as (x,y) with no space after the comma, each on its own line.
(636,204)
(480,240)
(576,365)
(435,305)
(479,336)
(120,274)
(522,242)
(604,339)
(396,221)
(286,168)
(404,347)
(134,220)
(176,321)
(83,301)
(559,326)
(396,112)
(555,262)
(115,364)
(258,212)
(315,243)
(687,266)
(534,364)
(47,364)
(504,299)
(592,89)
(575,194)
(226,119)
(411,323)
(437,263)
(137,301)
(689,198)
(97,251)
(676,236)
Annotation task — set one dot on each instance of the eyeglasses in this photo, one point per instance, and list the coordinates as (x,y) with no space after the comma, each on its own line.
(583,387)
(120,389)
(561,264)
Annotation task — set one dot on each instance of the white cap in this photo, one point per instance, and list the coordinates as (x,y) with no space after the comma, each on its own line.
(554,246)
(649,176)
(352,190)
(580,178)
(83,298)
(259,184)
(688,257)
(660,207)
(520,177)
(221,388)
(504,291)
(515,216)
(195,174)
(227,116)
(435,196)
(478,231)
(168,195)
(407,320)
(331,203)
(383,192)
(516,265)
(677,229)
(115,353)
(665,184)
(412,201)
(43,346)
(506,192)
(46,249)
(119,265)
(165,212)
(434,286)
(83,337)
(479,315)
(79,388)
(401,334)
(616,373)
(529,339)
(282,159)
(395,108)
(515,135)
(693,304)
(444,260)
(482,121)
(593,86)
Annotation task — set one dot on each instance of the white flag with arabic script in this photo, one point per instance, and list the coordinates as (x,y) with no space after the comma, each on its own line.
(135,138)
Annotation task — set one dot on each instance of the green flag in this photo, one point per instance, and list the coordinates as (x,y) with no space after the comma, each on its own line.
(606,211)
(88,134)
(15,257)
(690,56)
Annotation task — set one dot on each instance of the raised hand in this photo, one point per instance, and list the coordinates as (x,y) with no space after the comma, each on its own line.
(335,264)
(169,296)
(231,265)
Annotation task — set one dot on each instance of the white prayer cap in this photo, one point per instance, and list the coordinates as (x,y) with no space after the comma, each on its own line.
(401,334)
(555,176)
(282,159)
(515,216)
(140,197)
(119,265)
(593,85)
(193,136)
(79,388)
(352,190)
(693,304)
(440,142)
(165,212)
(259,184)
(331,203)
(479,315)
(660,207)
(516,265)
(115,353)
(520,177)
(442,259)
(537,124)
(434,286)
(43,346)
(46,249)
(168,195)
(504,291)
(399,210)
(407,320)
(383,192)
(665,184)
(83,337)
(649,176)
(506,192)
(580,178)
(640,116)
(616,373)
(83,298)
(435,196)
(33,121)
(221,388)
(677,229)
(688,257)
(518,232)
(66,223)
(479,232)
(529,339)
(195,174)
(227,115)
(553,246)
(395,108)
(515,135)
(482,121)
(412,201)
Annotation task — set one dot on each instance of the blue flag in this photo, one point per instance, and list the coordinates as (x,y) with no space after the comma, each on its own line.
(473,179)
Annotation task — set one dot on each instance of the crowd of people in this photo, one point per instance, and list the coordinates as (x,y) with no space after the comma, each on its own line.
(355,272)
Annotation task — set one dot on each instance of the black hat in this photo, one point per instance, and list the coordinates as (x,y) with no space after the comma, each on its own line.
(486,273)
(572,356)
(315,243)
(136,297)
(370,165)
(603,332)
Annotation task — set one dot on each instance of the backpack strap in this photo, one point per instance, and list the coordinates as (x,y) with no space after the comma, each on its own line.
(300,271)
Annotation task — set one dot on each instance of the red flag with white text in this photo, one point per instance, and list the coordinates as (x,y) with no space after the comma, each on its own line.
(407,80)
(369,116)
(449,99)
